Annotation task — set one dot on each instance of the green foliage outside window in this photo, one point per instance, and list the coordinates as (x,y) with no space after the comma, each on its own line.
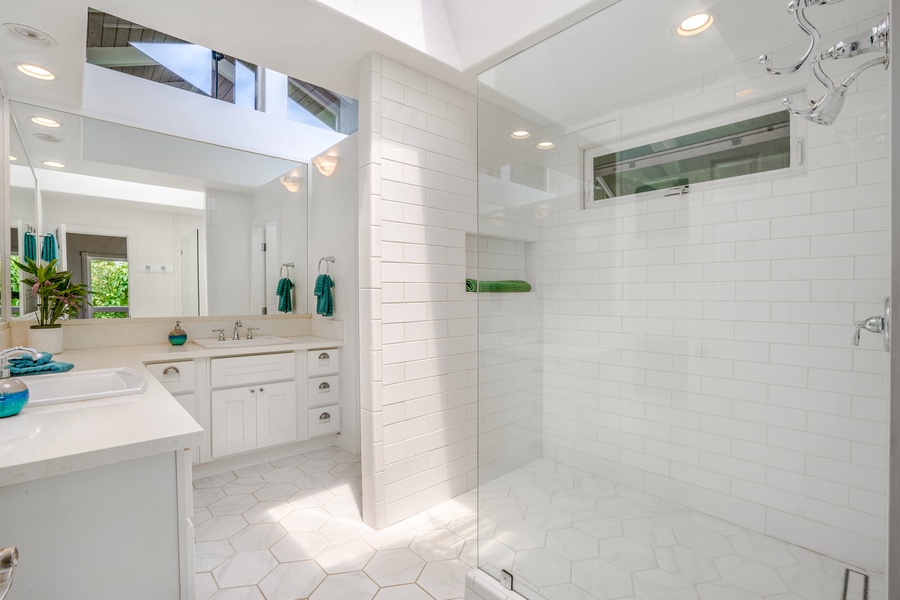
(14,279)
(109,286)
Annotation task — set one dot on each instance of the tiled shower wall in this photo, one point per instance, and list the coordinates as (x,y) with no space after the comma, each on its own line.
(417,325)
(697,347)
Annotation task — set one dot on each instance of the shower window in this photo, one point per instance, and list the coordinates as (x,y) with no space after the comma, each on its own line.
(750,146)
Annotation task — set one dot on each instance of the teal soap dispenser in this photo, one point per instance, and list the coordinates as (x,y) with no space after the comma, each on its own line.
(13,391)
(177,337)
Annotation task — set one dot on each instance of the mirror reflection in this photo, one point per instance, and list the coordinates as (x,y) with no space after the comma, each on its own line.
(23,217)
(158,225)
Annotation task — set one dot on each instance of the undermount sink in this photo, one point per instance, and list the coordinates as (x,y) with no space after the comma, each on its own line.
(74,386)
(262,340)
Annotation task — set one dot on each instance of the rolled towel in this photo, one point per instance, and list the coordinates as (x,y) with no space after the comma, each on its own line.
(504,286)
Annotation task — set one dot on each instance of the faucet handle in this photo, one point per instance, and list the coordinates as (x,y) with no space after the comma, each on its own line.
(221,334)
(250,331)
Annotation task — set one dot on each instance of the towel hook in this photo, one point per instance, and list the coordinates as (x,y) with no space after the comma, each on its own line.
(326,259)
(284,266)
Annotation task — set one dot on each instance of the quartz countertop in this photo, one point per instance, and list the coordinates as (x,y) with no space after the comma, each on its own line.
(50,440)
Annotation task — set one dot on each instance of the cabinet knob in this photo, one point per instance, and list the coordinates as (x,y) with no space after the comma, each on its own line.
(168,370)
(252,390)
(261,390)
(324,387)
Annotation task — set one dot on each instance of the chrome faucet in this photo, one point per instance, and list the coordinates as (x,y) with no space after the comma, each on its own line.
(5,354)
(237,331)
(9,558)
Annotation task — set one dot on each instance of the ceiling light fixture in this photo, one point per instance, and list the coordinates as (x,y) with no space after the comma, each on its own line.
(290,182)
(520,135)
(325,164)
(46,137)
(12,158)
(54,164)
(36,71)
(695,24)
(45,122)
(24,33)
(546,145)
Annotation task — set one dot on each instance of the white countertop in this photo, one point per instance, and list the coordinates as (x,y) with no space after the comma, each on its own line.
(51,440)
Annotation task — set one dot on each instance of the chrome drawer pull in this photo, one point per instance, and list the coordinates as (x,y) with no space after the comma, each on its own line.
(324,418)
(324,356)
(324,387)
(171,370)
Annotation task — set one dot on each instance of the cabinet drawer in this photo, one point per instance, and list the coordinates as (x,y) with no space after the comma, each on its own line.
(323,390)
(324,420)
(258,368)
(176,376)
(323,362)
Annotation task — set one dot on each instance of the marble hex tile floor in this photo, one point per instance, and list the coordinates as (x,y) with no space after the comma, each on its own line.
(291,529)
(567,535)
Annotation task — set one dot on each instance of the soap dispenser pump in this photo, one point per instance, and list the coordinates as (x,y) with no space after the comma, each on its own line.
(13,391)
(177,337)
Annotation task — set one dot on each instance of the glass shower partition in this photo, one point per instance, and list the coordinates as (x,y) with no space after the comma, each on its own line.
(675,409)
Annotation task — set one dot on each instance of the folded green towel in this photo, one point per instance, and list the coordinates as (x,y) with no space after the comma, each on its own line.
(50,367)
(511,285)
(324,295)
(283,291)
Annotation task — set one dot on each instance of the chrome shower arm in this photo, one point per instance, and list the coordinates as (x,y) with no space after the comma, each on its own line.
(825,110)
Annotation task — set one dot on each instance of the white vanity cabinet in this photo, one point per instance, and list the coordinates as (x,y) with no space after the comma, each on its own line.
(253,403)
(323,392)
(179,378)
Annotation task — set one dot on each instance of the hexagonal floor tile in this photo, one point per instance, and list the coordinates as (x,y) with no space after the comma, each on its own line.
(810,583)
(345,457)
(214,481)
(763,549)
(204,586)
(232,505)
(719,590)
(548,516)
(268,512)
(574,500)
(444,579)
(593,486)
(245,568)
(290,461)
(469,554)
(243,485)
(219,528)
(206,496)
(305,519)
(649,533)
(554,482)
(345,486)
(437,544)
(703,541)
(566,591)
(339,529)
(517,477)
(318,465)
(346,585)
(521,535)
(254,471)
(293,580)
(241,593)
(398,535)
(209,555)
(601,579)
(657,584)
(257,537)
(313,481)
(750,575)
(597,524)
(346,470)
(619,506)
(310,498)
(394,567)
(529,494)
(541,567)
(346,506)
(687,564)
(436,518)
(282,474)
(275,491)
(572,544)
(501,509)
(322,453)
(492,552)
(464,525)
(627,554)
(304,545)
(343,557)
(409,591)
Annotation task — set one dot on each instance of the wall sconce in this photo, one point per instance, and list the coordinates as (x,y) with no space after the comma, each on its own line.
(325,164)
(290,182)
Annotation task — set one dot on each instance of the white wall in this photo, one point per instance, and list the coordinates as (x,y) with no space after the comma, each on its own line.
(697,347)
(228,215)
(333,231)
(417,326)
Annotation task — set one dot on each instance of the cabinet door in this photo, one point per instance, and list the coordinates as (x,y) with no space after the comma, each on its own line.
(276,413)
(189,403)
(233,421)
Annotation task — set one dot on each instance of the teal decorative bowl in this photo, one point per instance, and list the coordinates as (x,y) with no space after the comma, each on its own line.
(12,403)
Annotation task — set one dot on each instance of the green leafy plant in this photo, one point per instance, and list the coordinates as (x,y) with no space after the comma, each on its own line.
(56,295)
(109,286)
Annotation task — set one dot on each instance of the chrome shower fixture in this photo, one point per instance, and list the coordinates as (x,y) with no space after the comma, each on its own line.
(826,109)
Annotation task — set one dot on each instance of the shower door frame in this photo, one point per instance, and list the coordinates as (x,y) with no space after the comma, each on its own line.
(893,549)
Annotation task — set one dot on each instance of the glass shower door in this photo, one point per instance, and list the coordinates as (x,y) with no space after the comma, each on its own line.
(677,407)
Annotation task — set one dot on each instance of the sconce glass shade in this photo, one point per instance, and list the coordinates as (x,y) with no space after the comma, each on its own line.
(290,182)
(325,164)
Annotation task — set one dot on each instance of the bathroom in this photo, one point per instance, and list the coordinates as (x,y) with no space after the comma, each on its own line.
(674,409)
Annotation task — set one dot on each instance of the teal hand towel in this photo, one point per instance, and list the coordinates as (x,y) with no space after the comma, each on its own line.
(27,361)
(30,250)
(48,248)
(283,291)
(324,295)
(50,367)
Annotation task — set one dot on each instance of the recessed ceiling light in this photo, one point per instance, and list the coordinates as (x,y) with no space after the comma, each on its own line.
(743,93)
(46,137)
(12,158)
(24,33)
(695,24)
(36,71)
(54,164)
(520,135)
(44,121)
(546,145)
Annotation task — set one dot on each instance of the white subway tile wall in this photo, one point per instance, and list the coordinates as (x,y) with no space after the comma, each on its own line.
(418,186)
(698,347)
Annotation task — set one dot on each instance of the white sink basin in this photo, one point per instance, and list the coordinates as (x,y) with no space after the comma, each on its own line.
(83,385)
(263,340)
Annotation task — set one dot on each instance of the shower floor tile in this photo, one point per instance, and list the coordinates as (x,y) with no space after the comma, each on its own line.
(602,540)
(291,529)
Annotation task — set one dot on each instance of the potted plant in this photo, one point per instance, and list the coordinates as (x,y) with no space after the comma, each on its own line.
(56,297)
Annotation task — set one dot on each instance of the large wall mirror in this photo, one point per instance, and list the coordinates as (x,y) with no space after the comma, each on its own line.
(158,225)
(23,214)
